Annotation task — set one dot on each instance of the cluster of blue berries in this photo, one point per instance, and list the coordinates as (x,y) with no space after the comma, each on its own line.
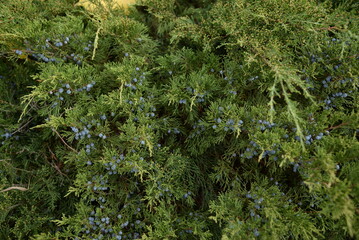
(66,90)
(63,41)
(101,135)
(277,184)
(174,130)
(103,117)
(190,231)
(250,152)
(336,67)
(134,169)
(253,78)
(272,152)
(314,58)
(327,81)
(112,166)
(218,123)
(263,124)
(137,79)
(163,191)
(157,146)
(42,58)
(89,46)
(76,58)
(84,133)
(132,228)
(187,194)
(254,213)
(330,79)
(255,149)
(37,56)
(222,74)
(345,80)
(334,41)
(310,84)
(89,147)
(129,102)
(18,52)
(329,100)
(310,138)
(300,164)
(297,165)
(152,110)
(98,183)
(190,217)
(87,87)
(7,135)
(231,124)
(101,223)
(198,129)
(257,204)
(141,141)
(100,227)
(58,42)
(256,232)
(52,46)
(199,96)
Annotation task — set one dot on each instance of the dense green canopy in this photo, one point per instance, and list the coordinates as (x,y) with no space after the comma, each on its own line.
(205,119)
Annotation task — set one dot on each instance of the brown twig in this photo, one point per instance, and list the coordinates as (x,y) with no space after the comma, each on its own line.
(23,126)
(53,156)
(63,140)
(14,188)
(328,28)
(335,127)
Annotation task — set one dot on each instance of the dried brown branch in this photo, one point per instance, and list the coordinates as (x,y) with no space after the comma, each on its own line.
(14,188)
(63,140)
(335,127)
(329,28)
(23,126)
(54,165)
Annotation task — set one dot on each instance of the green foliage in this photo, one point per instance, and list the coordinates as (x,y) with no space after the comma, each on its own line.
(179,119)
